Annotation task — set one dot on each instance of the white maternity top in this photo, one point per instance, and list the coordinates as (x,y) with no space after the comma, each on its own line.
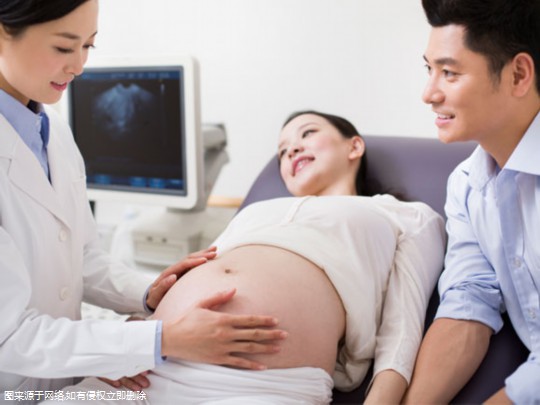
(382,255)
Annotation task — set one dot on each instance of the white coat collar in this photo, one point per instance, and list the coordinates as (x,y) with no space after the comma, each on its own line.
(25,172)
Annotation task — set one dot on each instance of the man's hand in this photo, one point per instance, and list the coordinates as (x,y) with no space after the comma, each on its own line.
(206,336)
(499,398)
(169,276)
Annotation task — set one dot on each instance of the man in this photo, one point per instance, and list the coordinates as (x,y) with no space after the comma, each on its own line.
(483,60)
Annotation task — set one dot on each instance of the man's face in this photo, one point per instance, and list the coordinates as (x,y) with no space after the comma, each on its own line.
(468,100)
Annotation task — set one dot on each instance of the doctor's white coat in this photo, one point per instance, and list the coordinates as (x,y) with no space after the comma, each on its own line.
(50,260)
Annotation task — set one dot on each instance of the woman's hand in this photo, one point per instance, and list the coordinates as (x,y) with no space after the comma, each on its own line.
(207,336)
(388,387)
(169,276)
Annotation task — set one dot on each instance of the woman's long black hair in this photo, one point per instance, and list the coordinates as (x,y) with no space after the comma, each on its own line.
(17,15)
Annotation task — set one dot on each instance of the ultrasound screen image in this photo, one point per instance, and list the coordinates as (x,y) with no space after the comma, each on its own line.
(123,110)
(129,127)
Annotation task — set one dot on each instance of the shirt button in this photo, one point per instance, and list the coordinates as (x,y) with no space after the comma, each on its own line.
(517,262)
(64,293)
(532,314)
(62,236)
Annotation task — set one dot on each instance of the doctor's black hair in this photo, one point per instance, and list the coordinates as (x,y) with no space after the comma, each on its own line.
(348,130)
(17,15)
(497,29)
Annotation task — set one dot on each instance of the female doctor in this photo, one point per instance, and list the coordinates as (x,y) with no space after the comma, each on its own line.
(50,260)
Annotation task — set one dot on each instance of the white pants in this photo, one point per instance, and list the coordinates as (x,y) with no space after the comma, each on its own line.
(189,383)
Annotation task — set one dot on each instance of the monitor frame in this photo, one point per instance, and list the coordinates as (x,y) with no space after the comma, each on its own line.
(194,197)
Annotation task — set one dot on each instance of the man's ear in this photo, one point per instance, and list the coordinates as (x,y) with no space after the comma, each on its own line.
(358,147)
(523,74)
(3,36)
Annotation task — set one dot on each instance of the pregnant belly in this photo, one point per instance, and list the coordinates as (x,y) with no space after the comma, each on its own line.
(276,282)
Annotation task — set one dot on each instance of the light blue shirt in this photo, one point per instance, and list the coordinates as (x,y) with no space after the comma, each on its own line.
(493,258)
(159,331)
(32,125)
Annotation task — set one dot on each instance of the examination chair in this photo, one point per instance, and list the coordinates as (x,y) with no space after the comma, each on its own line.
(416,169)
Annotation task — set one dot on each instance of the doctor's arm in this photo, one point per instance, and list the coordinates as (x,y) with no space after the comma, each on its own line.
(201,334)
(35,344)
(204,335)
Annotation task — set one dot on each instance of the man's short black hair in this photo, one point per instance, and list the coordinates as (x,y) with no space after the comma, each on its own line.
(497,29)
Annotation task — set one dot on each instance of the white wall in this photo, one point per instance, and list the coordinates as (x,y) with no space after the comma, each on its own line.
(260,60)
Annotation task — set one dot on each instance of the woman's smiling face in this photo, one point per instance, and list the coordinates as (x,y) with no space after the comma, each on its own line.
(316,159)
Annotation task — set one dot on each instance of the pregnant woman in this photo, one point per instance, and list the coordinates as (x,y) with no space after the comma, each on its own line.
(348,276)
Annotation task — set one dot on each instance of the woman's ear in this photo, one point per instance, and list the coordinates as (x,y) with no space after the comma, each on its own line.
(358,147)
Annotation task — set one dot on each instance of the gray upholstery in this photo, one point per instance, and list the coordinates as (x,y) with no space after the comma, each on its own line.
(417,169)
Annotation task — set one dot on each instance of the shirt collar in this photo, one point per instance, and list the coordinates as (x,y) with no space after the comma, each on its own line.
(525,157)
(482,167)
(28,122)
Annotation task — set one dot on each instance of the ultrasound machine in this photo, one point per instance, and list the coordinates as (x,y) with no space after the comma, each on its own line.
(137,124)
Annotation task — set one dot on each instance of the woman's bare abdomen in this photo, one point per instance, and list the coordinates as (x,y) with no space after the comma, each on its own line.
(270,281)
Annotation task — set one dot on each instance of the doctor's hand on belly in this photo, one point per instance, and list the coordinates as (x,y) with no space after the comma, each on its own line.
(202,334)
(168,277)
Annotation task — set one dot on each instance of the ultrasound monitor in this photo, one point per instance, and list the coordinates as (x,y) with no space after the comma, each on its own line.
(137,125)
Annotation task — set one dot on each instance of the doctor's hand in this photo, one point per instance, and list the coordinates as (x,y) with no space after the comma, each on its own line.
(135,383)
(168,277)
(207,336)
